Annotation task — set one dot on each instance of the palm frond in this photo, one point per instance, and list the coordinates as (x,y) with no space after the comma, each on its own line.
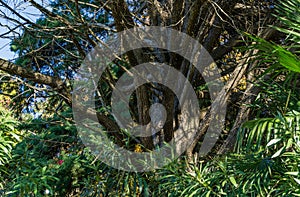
(280,133)
(288,12)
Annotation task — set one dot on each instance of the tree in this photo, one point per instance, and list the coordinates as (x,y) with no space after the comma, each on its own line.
(260,86)
(51,49)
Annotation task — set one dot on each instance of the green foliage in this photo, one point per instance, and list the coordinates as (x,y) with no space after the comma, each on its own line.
(277,142)
(9,136)
(286,53)
(268,154)
(51,160)
(288,12)
(35,158)
(263,132)
(243,174)
(50,47)
(276,54)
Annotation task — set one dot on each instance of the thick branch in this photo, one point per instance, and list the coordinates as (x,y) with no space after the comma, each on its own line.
(225,95)
(248,97)
(58,85)
(54,82)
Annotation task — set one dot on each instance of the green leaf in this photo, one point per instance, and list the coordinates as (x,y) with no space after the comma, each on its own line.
(232,180)
(290,143)
(292,173)
(278,152)
(273,141)
(297,180)
(208,193)
(287,59)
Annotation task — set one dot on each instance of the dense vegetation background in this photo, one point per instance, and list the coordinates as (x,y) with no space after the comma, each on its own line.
(255,44)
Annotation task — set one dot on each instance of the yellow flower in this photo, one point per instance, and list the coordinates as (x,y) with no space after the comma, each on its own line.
(138,148)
